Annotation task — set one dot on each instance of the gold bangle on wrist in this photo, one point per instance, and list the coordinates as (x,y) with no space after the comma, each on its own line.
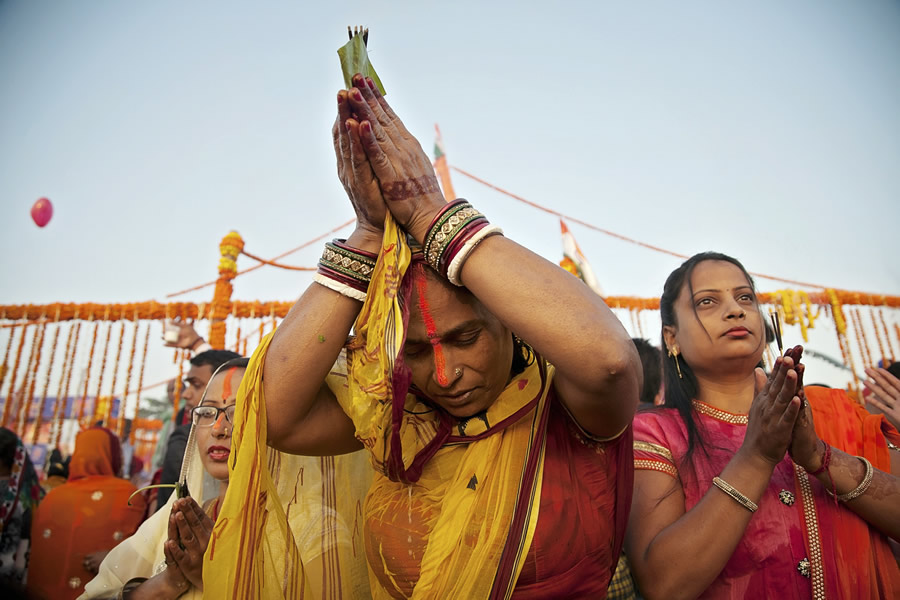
(861,488)
(736,495)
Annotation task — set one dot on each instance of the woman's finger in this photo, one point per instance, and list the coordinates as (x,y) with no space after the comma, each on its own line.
(367,90)
(888,383)
(178,555)
(200,521)
(877,403)
(188,537)
(878,391)
(365,112)
(388,111)
(790,415)
(378,159)
(359,162)
(173,528)
(788,388)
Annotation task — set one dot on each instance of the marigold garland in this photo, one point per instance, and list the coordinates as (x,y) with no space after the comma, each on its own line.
(60,398)
(58,418)
(121,429)
(884,356)
(115,377)
(9,343)
(40,414)
(861,339)
(98,403)
(87,373)
(12,379)
(179,358)
(137,406)
(887,337)
(34,363)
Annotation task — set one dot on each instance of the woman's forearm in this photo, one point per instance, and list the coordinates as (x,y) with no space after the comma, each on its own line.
(686,557)
(564,320)
(879,505)
(304,349)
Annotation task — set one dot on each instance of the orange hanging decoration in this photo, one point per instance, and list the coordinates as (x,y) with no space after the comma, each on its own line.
(229,248)
(887,337)
(9,343)
(7,405)
(120,430)
(27,394)
(861,339)
(87,373)
(60,399)
(884,356)
(115,377)
(177,399)
(40,413)
(137,406)
(101,401)
(58,418)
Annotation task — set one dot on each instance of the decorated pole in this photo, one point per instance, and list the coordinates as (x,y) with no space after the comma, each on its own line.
(229,248)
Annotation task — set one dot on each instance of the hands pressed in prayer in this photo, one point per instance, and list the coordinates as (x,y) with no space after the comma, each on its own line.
(189,531)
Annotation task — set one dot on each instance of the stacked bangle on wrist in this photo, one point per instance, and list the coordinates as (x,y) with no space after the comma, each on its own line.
(453,234)
(736,495)
(345,269)
(861,488)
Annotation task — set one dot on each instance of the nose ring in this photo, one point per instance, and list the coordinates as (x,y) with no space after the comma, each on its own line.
(457,371)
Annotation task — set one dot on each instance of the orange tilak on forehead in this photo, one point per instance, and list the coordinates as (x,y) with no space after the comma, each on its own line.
(440,366)
(226,385)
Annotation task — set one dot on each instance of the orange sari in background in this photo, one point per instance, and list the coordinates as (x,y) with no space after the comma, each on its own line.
(87,514)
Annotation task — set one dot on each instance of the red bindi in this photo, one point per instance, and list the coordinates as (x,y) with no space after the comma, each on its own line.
(440,365)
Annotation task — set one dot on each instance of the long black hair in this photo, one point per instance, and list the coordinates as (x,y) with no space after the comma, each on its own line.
(680,391)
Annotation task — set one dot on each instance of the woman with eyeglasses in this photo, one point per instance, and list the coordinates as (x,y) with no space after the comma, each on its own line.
(164,559)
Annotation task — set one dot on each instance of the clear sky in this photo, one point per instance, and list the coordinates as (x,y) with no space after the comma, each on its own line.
(767,130)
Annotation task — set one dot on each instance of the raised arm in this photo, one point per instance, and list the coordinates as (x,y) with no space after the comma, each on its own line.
(304,417)
(598,368)
(676,553)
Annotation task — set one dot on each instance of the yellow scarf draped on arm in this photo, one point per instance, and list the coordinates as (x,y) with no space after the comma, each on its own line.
(482,529)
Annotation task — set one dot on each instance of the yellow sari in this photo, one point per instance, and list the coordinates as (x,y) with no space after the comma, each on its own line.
(470,492)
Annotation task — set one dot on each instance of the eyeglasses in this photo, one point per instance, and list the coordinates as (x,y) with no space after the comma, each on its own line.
(207,416)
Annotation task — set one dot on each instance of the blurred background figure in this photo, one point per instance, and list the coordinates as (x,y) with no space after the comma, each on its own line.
(57,471)
(20,493)
(651,362)
(79,521)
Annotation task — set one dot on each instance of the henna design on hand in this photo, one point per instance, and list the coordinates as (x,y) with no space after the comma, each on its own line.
(396,191)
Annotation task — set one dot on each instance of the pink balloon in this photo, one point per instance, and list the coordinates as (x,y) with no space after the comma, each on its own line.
(42,211)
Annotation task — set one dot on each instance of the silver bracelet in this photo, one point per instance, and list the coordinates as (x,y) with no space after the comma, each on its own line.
(861,488)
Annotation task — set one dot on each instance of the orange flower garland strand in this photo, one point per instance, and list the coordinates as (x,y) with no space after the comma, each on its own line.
(58,419)
(120,430)
(12,379)
(137,406)
(3,366)
(887,337)
(40,413)
(60,398)
(884,356)
(861,339)
(99,400)
(87,373)
(179,358)
(34,363)
(115,377)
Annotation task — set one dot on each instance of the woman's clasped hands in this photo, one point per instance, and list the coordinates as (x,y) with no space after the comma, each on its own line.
(189,531)
(780,420)
(381,165)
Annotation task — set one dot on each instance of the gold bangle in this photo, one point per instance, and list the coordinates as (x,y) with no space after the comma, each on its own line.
(861,488)
(736,495)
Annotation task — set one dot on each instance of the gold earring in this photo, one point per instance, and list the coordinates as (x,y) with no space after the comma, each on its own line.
(674,354)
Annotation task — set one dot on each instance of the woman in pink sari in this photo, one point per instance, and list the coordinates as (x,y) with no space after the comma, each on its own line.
(743,487)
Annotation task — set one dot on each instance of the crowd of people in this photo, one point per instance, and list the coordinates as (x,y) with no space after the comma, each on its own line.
(445,414)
